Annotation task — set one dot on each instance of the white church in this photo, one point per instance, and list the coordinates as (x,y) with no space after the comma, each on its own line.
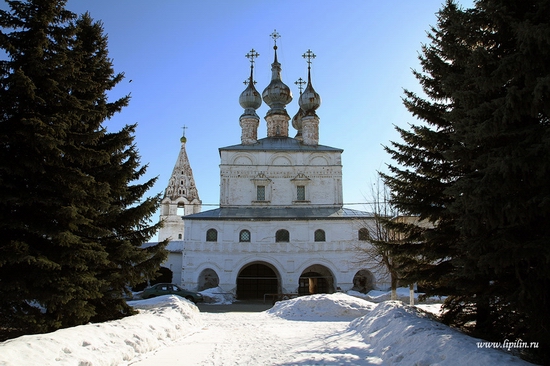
(281,226)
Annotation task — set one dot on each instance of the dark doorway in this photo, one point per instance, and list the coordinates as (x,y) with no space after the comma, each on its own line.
(255,280)
(316,279)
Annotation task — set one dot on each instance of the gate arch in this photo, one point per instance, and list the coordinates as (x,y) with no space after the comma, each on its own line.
(363,281)
(316,279)
(256,279)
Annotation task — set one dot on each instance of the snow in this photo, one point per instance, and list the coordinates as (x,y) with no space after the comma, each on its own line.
(317,329)
(335,307)
(217,296)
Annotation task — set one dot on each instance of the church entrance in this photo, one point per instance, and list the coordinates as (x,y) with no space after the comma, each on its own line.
(255,280)
(316,279)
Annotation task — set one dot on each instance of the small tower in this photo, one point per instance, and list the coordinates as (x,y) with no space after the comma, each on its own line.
(180,197)
(309,102)
(250,100)
(277,95)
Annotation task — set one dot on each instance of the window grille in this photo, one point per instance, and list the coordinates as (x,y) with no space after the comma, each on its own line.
(319,235)
(301,193)
(244,236)
(211,235)
(282,236)
(260,193)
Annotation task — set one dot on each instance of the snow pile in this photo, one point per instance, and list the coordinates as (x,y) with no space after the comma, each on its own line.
(217,296)
(161,321)
(397,333)
(337,306)
(403,294)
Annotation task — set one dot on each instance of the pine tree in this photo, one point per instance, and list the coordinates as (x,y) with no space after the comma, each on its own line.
(54,155)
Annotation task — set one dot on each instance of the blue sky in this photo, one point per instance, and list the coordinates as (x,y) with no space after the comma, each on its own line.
(186,62)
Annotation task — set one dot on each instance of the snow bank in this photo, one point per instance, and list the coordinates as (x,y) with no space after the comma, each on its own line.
(398,333)
(161,321)
(216,296)
(403,294)
(338,306)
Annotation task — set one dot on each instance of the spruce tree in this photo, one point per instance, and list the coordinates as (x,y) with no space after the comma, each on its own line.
(55,254)
(478,170)
(502,143)
(423,174)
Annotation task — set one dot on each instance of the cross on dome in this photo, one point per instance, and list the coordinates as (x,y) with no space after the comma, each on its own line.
(308,55)
(300,82)
(251,56)
(275,35)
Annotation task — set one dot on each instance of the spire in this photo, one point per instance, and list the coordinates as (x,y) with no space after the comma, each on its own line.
(182,183)
(250,100)
(309,102)
(180,197)
(277,95)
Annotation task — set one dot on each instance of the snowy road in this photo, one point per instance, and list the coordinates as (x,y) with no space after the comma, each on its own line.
(260,339)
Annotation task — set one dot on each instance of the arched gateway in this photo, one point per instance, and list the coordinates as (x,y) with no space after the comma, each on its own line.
(316,279)
(256,279)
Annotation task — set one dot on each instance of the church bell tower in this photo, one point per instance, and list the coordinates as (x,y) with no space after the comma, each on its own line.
(180,197)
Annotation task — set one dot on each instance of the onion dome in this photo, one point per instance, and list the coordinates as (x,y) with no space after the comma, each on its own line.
(277,94)
(297,119)
(309,100)
(250,98)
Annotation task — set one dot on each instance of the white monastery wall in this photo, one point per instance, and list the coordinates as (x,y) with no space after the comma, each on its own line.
(227,256)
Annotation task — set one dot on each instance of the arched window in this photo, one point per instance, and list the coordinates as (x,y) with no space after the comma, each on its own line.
(320,235)
(179,236)
(282,236)
(212,235)
(244,236)
(364,234)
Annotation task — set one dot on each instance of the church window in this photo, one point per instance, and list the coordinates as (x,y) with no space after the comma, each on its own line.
(301,193)
(244,236)
(364,234)
(179,236)
(212,235)
(260,193)
(282,236)
(319,235)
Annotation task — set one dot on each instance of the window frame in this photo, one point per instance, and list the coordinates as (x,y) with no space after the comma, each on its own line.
(282,236)
(363,234)
(244,240)
(211,235)
(319,232)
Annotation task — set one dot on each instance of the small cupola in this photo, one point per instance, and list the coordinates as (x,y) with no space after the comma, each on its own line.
(250,100)
(277,95)
(309,102)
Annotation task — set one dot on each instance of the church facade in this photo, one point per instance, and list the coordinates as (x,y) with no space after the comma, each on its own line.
(281,225)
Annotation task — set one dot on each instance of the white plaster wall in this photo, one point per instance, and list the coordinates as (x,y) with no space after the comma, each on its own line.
(174,263)
(320,172)
(227,256)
